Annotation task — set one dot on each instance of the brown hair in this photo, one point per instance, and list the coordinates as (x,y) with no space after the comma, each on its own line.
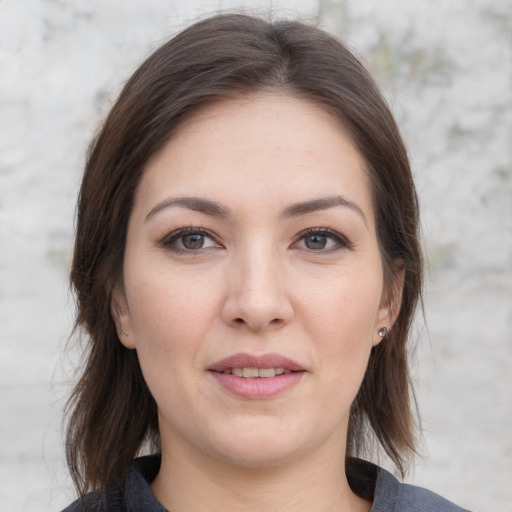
(112,414)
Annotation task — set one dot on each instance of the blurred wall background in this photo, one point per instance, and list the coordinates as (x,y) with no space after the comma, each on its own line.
(446,67)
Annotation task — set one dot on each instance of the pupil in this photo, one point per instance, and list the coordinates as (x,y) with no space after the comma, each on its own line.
(193,241)
(316,242)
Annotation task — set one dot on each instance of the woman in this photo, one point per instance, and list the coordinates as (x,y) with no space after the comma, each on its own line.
(246,268)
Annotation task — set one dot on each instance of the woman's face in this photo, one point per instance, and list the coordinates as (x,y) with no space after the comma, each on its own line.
(253,284)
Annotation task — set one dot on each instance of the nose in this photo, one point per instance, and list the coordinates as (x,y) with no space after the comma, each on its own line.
(257,298)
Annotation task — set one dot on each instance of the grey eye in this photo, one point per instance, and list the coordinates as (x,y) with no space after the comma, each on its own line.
(188,240)
(193,241)
(316,242)
(321,240)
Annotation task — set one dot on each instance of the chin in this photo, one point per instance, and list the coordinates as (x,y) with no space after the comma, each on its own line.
(262,446)
(260,454)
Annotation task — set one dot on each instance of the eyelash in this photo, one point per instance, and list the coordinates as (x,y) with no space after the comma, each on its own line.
(169,239)
(341,242)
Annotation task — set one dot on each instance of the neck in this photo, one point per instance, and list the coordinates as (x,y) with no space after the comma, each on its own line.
(189,480)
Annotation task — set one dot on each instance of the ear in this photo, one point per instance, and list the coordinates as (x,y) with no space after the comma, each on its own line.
(391,302)
(121,315)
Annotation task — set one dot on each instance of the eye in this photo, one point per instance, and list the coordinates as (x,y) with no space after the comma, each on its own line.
(321,239)
(189,240)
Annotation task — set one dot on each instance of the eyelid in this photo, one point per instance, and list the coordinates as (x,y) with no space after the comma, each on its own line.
(167,241)
(342,241)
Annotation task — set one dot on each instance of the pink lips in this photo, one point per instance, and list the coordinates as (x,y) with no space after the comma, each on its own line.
(251,361)
(258,387)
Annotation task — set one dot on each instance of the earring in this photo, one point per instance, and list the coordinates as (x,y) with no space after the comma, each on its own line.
(124,334)
(383,331)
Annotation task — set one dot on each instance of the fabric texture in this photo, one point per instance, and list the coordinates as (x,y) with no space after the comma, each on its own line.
(133,493)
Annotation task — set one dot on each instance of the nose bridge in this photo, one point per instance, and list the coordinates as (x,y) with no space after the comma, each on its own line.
(257,294)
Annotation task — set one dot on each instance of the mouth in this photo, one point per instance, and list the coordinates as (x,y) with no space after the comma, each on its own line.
(257,377)
(256,373)
(253,366)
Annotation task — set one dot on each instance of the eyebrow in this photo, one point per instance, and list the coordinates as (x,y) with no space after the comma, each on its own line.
(323,203)
(196,204)
(214,209)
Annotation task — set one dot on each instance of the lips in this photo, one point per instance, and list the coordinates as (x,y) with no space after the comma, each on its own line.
(260,362)
(256,377)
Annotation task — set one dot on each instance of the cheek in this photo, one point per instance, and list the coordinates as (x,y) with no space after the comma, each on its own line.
(169,320)
(172,312)
(341,315)
(170,304)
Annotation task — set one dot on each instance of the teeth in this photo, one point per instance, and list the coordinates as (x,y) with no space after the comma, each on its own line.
(252,373)
(267,372)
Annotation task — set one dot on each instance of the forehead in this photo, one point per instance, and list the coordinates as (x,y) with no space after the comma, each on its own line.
(263,145)
(258,114)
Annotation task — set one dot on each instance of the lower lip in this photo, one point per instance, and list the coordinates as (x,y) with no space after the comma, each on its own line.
(258,387)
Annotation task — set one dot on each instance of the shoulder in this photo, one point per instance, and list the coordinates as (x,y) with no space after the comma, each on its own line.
(416,499)
(92,502)
(108,499)
(129,494)
(399,497)
(390,495)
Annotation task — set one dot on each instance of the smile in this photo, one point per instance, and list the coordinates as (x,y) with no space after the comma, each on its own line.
(250,365)
(252,373)
(257,377)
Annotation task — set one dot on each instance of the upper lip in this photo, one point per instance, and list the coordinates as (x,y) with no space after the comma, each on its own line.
(254,361)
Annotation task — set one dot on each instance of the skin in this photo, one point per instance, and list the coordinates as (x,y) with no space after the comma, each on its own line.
(257,285)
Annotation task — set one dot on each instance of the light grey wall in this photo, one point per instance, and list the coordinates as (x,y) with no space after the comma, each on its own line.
(447,69)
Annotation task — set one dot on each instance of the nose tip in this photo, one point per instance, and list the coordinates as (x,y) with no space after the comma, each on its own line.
(257,301)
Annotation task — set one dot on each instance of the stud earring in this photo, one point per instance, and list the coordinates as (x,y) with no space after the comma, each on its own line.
(124,334)
(383,331)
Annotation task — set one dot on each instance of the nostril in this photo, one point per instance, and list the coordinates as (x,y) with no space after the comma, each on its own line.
(240,320)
